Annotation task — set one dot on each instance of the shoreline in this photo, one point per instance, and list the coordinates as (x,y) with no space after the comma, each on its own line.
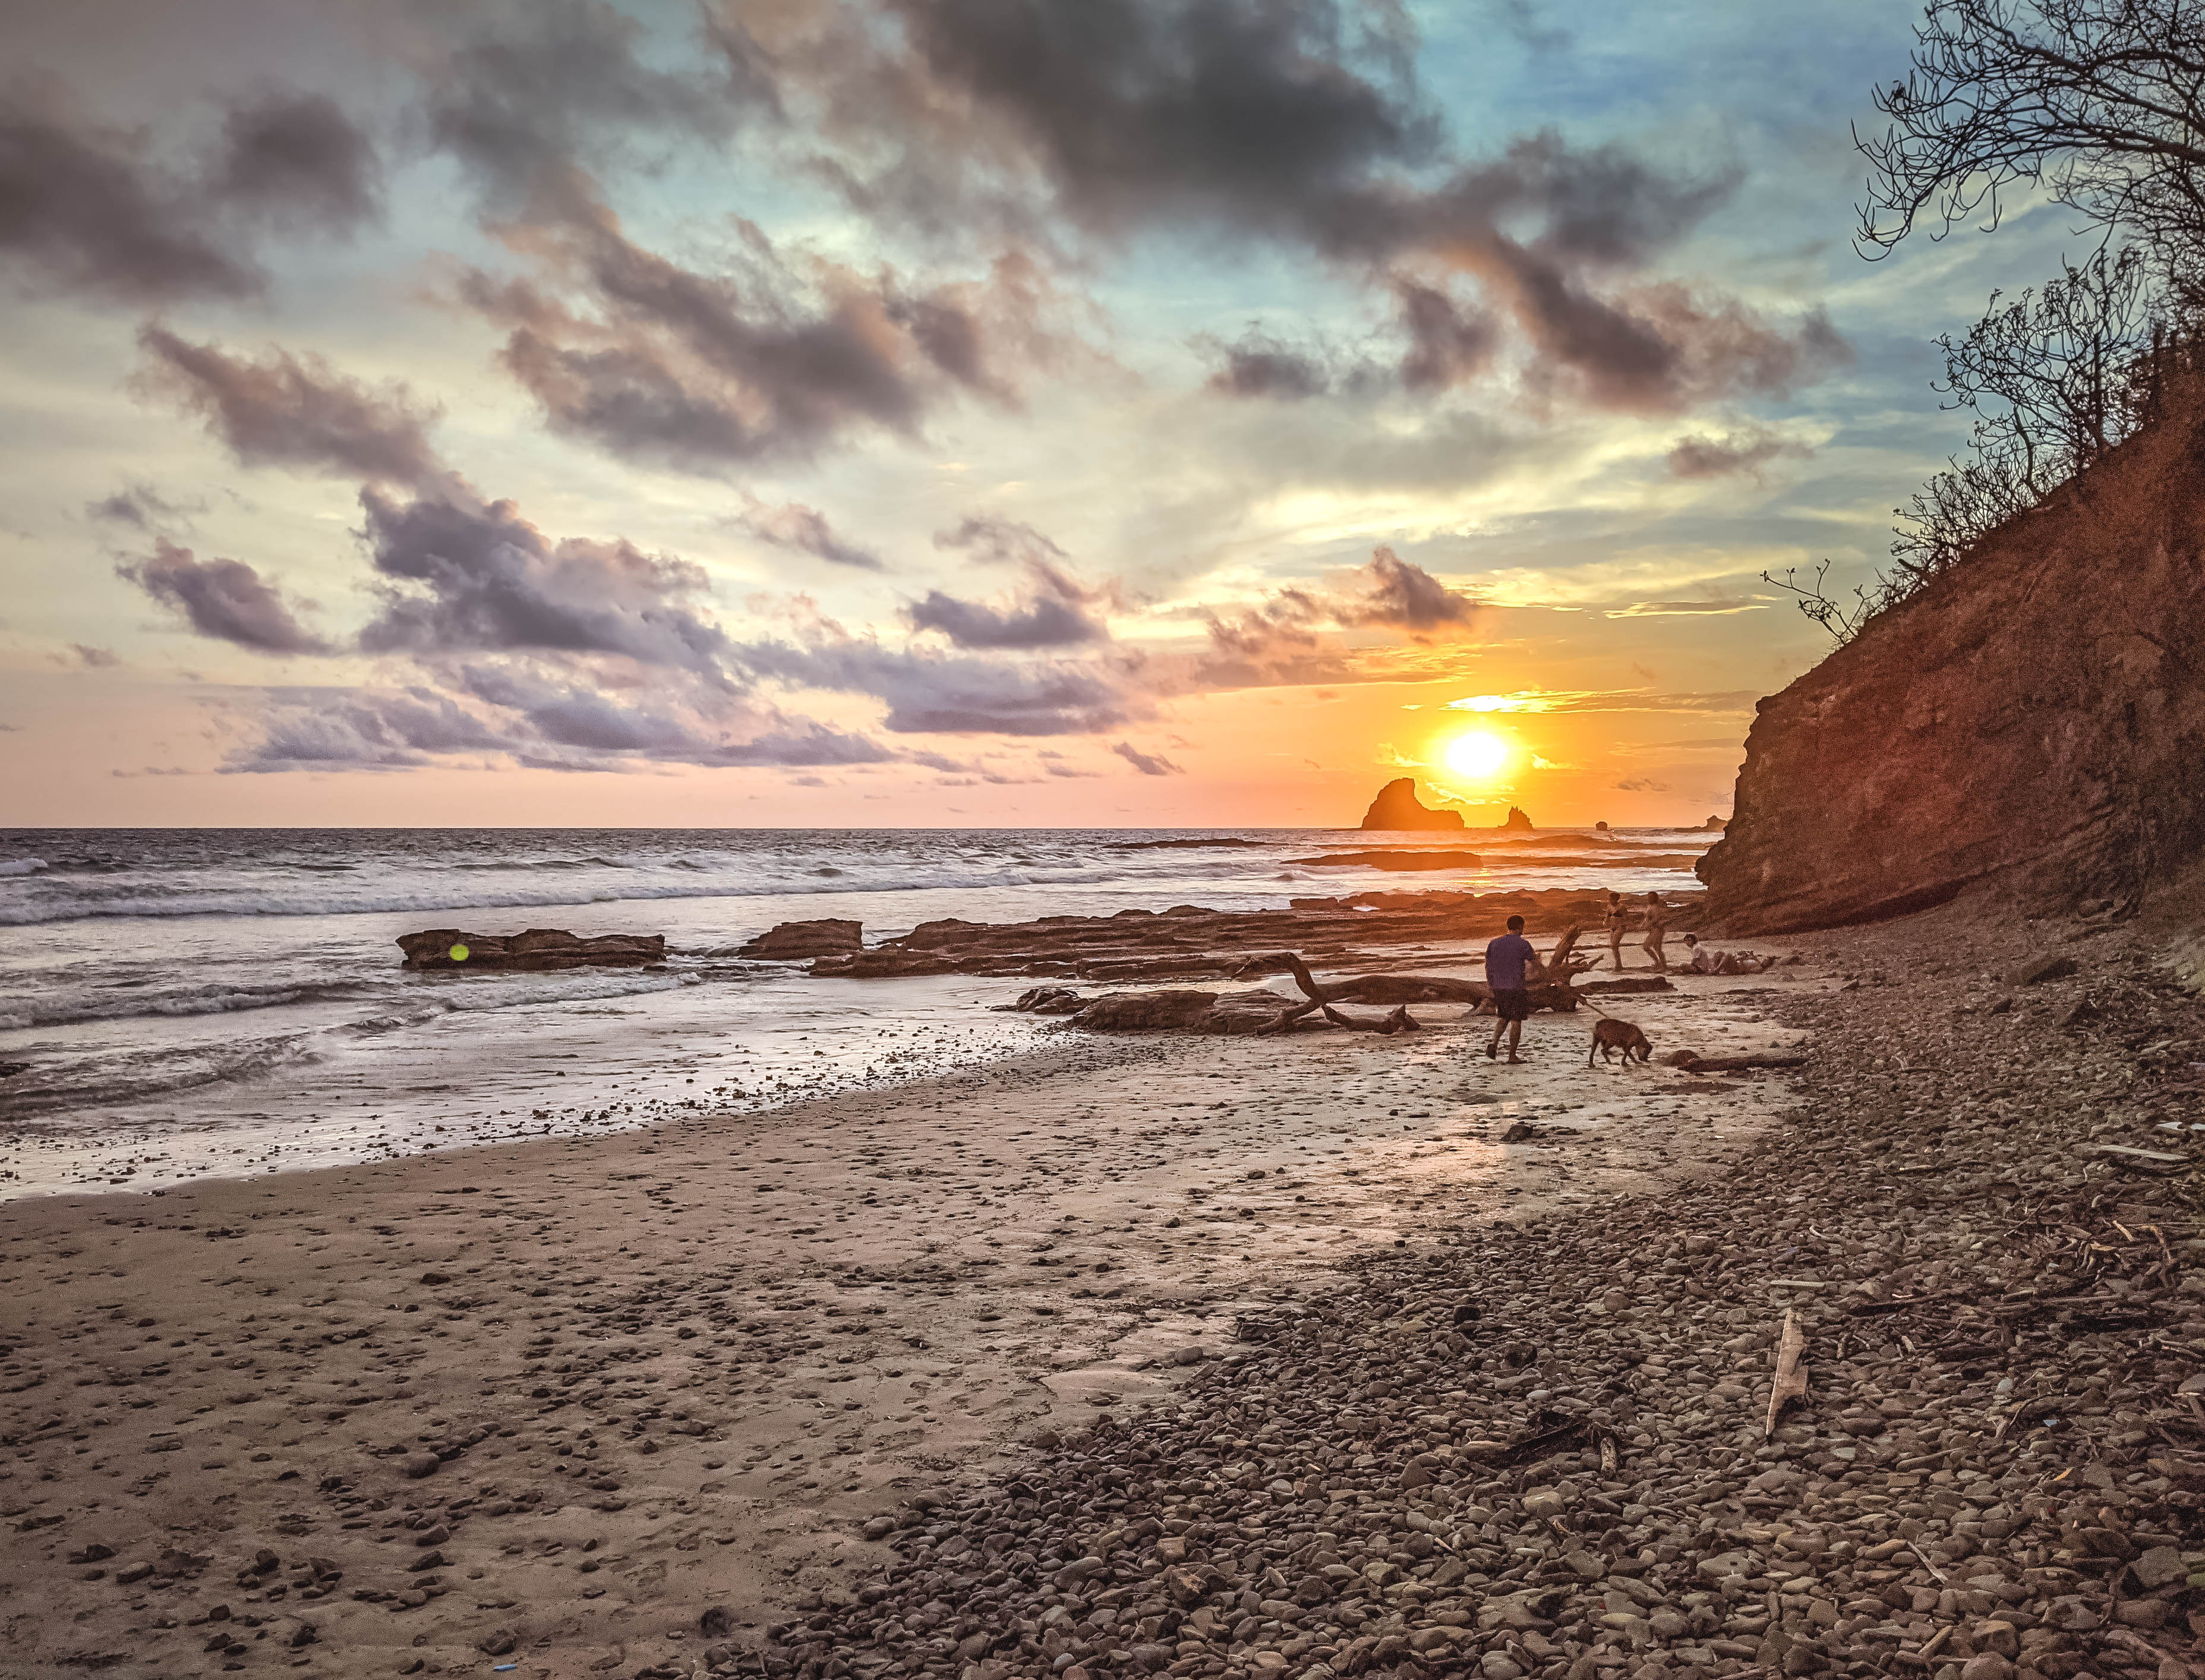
(1050,1231)
(687,1046)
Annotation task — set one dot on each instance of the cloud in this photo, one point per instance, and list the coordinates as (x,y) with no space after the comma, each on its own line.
(1147,764)
(139,505)
(770,357)
(83,208)
(296,160)
(1259,366)
(462,574)
(1642,785)
(1747,450)
(1274,642)
(955,693)
(295,411)
(806,530)
(1299,122)
(998,541)
(90,659)
(1052,609)
(225,599)
(1398,593)
(1448,344)
(1609,699)
(513,715)
(527,109)
(1684,608)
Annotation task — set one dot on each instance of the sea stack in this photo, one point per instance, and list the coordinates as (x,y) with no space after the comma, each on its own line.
(1397,807)
(1518,821)
(2033,722)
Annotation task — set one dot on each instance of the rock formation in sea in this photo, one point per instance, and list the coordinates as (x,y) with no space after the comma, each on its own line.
(2033,721)
(1517,822)
(1397,807)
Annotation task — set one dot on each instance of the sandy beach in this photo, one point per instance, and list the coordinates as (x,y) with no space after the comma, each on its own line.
(543,1404)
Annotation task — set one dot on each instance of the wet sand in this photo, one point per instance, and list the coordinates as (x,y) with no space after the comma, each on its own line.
(545,1403)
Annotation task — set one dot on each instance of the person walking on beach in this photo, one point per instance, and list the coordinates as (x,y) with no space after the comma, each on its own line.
(1657,929)
(1618,923)
(1509,962)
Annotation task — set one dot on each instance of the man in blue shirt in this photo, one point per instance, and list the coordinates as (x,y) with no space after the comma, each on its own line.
(1510,964)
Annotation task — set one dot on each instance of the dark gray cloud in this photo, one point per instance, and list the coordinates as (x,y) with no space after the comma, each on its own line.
(296,159)
(90,657)
(1399,594)
(1258,366)
(1275,642)
(226,600)
(527,106)
(1299,120)
(1747,450)
(463,574)
(764,359)
(89,208)
(1148,764)
(804,530)
(295,411)
(1052,609)
(1449,343)
(1388,592)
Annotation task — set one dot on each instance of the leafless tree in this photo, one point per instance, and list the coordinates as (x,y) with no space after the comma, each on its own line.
(2099,102)
(2054,378)
(2101,105)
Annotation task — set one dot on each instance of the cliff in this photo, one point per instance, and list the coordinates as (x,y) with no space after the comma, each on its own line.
(2033,721)
(1397,807)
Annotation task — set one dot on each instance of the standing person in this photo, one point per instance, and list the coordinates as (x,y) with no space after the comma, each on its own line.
(1657,929)
(1618,923)
(1509,961)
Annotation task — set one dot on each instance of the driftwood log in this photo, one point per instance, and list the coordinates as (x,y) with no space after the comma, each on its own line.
(1261,1011)
(1693,1063)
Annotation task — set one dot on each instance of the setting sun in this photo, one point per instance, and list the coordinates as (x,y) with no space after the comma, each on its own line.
(1478,755)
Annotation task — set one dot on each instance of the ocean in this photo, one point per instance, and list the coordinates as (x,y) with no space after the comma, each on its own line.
(183,1002)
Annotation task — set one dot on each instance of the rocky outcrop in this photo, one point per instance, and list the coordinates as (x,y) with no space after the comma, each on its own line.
(1397,807)
(2033,721)
(797,941)
(538,949)
(1186,942)
(1516,822)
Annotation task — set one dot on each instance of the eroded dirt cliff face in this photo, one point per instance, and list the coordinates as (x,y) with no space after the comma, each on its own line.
(2035,720)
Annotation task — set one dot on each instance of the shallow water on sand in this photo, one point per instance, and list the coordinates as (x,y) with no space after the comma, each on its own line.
(186,1002)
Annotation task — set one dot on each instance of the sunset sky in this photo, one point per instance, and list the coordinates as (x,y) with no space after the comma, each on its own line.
(886,413)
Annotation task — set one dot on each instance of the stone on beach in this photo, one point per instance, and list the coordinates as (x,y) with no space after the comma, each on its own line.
(791,941)
(538,949)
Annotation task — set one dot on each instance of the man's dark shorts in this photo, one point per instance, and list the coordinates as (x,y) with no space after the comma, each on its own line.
(1513,1005)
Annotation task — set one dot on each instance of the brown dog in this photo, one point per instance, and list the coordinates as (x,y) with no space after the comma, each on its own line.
(1610,1035)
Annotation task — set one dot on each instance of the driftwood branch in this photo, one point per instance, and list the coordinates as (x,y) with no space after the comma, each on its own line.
(1790,1382)
(1398,1020)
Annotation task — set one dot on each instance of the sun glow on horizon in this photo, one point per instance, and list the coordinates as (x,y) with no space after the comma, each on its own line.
(1481,755)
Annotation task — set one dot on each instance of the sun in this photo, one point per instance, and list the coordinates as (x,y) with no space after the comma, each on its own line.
(1479,755)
